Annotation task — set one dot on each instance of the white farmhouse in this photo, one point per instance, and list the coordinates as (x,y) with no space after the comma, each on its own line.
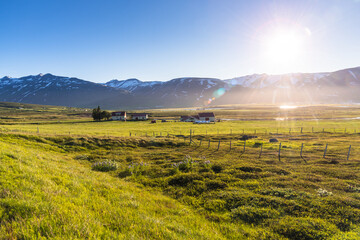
(139,116)
(118,116)
(207,116)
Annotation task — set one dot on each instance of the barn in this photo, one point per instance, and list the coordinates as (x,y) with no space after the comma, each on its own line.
(139,116)
(118,116)
(207,116)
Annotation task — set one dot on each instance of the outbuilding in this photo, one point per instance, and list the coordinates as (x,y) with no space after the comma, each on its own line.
(118,116)
(139,116)
(207,116)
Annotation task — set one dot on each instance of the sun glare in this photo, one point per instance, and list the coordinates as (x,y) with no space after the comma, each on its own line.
(283,48)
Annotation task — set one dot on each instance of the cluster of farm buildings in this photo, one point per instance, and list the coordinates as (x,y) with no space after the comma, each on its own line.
(200,117)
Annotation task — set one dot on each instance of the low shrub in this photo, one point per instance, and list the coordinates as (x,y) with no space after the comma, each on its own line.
(184,179)
(323,192)
(251,214)
(105,166)
(249,169)
(137,169)
(215,205)
(217,168)
(284,193)
(215,184)
(185,165)
(304,228)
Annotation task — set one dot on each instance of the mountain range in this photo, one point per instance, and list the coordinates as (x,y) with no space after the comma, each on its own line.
(341,86)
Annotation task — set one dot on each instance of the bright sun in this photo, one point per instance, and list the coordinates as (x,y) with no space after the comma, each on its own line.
(283,49)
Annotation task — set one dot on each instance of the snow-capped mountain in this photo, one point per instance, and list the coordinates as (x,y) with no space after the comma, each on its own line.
(56,90)
(131,84)
(331,87)
(278,81)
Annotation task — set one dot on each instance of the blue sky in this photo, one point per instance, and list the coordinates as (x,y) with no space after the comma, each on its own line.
(164,39)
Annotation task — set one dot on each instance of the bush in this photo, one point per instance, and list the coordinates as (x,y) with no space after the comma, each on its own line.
(184,179)
(285,193)
(105,166)
(137,169)
(217,168)
(215,205)
(215,184)
(323,192)
(304,228)
(249,169)
(185,165)
(251,214)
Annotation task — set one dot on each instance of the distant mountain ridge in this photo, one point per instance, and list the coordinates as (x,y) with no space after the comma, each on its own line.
(342,86)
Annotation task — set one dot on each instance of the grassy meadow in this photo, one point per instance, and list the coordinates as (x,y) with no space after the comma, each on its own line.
(67,177)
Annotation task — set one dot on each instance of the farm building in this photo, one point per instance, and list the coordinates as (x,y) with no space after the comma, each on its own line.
(119,116)
(139,116)
(206,117)
(189,118)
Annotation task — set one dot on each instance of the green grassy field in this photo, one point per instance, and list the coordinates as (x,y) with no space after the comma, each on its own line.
(71,178)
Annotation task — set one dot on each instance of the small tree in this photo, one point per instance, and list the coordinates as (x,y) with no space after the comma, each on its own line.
(106,115)
(97,114)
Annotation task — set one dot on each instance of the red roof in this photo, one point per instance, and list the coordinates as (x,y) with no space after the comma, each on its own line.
(207,114)
(122,114)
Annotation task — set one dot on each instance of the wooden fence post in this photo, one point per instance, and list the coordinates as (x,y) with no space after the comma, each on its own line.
(200,142)
(218,145)
(230,145)
(38,130)
(130,134)
(325,151)
(301,131)
(279,151)
(261,150)
(209,144)
(348,153)
(302,146)
(244,146)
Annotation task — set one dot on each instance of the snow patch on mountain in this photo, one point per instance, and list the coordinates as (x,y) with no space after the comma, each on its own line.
(131,84)
(354,76)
